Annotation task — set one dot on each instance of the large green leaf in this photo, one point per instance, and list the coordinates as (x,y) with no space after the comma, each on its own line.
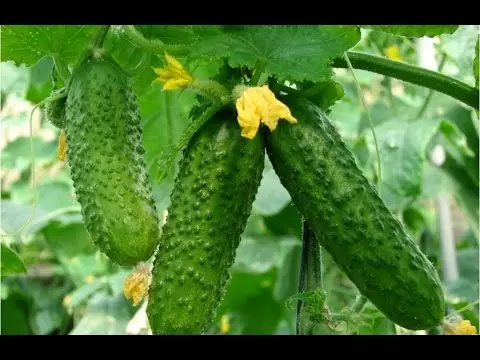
(414,30)
(29,43)
(297,52)
(11,262)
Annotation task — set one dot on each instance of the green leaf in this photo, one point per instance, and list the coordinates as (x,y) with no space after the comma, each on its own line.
(15,215)
(286,222)
(288,275)
(26,44)
(326,94)
(165,116)
(467,286)
(402,147)
(40,80)
(16,310)
(475,63)
(260,254)
(105,315)
(289,52)
(84,292)
(414,220)
(414,30)
(68,240)
(271,196)
(465,190)
(11,262)
(17,154)
(81,267)
(249,297)
(13,79)
(170,34)
(453,134)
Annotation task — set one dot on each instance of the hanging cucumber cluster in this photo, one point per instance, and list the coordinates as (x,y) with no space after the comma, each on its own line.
(217,181)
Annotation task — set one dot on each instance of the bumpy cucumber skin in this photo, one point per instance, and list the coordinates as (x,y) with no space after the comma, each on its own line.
(55,111)
(211,201)
(105,153)
(351,221)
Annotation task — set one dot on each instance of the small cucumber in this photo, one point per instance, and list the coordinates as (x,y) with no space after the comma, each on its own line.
(351,221)
(211,201)
(55,110)
(105,154)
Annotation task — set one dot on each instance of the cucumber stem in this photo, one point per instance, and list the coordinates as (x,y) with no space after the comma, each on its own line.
(412,74)
(310,273)
(153,45)
(96,42)
(99,37)
(62,68)
(358,304)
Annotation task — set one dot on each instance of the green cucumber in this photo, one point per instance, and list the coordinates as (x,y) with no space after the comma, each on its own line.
(105,154)
(55,110)
(351,221)
(211,201)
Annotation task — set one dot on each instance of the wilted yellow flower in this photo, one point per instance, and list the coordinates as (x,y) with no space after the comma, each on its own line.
(259,104)
(62,146)
(135,286)
(393,52)
(463,327)
(225,324)
(173,76)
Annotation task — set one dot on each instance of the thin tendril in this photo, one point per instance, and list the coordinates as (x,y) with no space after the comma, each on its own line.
(360,95)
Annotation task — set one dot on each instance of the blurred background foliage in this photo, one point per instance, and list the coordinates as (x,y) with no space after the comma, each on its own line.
(58,283)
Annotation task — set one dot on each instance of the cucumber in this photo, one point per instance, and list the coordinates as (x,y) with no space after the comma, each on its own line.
(351,221)
(211,201)
(55,110)
(105,154)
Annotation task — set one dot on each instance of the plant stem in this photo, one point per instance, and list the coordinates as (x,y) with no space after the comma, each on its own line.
(358,304)
(99,37)
(310,272)
(62,68)
(431,92)
(97,41)
(413,74)
(153,45)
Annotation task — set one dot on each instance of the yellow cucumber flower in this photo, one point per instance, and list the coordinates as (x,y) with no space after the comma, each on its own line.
(173,76)
(463,327)
(259,104)
(62,146)
(135,286)
(393,52)
(225,324)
